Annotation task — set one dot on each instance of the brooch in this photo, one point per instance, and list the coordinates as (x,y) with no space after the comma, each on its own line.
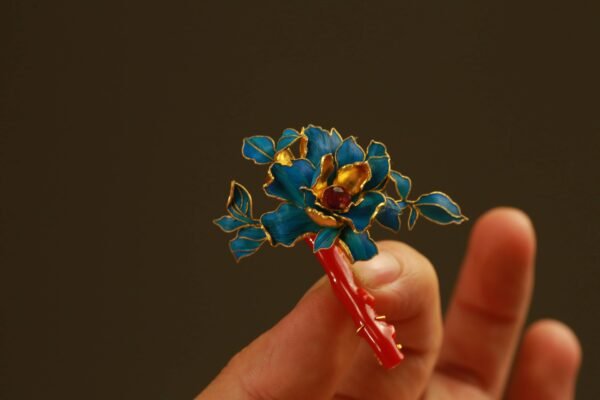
(330,195)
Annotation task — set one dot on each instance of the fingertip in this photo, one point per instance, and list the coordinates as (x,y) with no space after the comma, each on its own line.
(548,363)
(506,227)
(394,267)
(555,344)
(500,259)
(381,270)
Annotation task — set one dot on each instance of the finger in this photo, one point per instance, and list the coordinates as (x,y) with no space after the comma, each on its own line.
(491,299)
(547,364)
(302,357)
(405,288)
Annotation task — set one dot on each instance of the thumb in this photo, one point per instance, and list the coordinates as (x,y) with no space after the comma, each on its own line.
(302,357)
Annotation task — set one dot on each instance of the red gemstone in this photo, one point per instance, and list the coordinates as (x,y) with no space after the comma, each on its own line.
(336,198)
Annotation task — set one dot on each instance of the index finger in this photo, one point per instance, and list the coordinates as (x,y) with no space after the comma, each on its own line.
(490,302)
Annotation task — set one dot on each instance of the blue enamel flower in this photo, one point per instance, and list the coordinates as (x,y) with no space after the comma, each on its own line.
(334,189)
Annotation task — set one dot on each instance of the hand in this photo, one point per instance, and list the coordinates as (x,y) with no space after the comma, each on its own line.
(313,353)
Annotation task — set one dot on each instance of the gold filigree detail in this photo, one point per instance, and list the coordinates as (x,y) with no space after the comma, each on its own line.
(327,167)
(303,146)
(284,157)
(353,177)
(321,219)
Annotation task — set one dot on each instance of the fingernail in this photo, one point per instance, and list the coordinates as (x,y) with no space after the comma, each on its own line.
(381,270)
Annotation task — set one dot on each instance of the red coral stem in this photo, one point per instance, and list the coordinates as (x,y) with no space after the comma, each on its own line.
(359,303)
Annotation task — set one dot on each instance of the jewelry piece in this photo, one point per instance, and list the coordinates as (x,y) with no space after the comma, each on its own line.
(330,196)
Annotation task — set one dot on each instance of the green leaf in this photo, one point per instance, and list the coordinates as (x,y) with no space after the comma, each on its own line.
(247,242)
(229,224)
(412,217)
(260,149)
(288,138)
(438,207)
(239,203)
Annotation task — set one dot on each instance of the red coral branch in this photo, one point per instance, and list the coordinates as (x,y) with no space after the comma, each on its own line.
(359,303)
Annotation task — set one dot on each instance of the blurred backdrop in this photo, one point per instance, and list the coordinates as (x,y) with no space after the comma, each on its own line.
(121,128)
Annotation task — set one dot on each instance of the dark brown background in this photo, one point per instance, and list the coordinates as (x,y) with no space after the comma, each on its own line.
(122,125)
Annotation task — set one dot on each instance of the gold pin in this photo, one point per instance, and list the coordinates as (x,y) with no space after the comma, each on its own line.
(380,318)
(360,328)
(399,346)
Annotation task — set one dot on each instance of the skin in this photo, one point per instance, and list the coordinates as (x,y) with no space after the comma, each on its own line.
(313,352)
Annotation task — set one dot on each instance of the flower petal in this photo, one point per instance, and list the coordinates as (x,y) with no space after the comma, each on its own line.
(309,197)
(379,161)
(247,241)
(349,152)
(402,183)
(438,207)
(229,224)
(353,177)
(389,215)
(326,238)
(319,142)
(288,138)
(260,149)
(361,215)
(322,173)
(285,181)
(360,245)
(287,224)
(322,219)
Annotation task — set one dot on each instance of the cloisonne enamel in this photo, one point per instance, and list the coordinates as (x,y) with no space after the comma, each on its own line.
(326,162)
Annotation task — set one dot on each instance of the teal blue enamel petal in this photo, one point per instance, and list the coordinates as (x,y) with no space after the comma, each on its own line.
(379,161)
(412,217)
(288,223)
(326,238)
(288,138)
(403,184)
(349,152)
(247,242)
(362,214)
(361,246)
(309,198)
(320,142)
(389,215)
(229,224)
(260,149)
(440,208)
(239,204)
(289,179)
